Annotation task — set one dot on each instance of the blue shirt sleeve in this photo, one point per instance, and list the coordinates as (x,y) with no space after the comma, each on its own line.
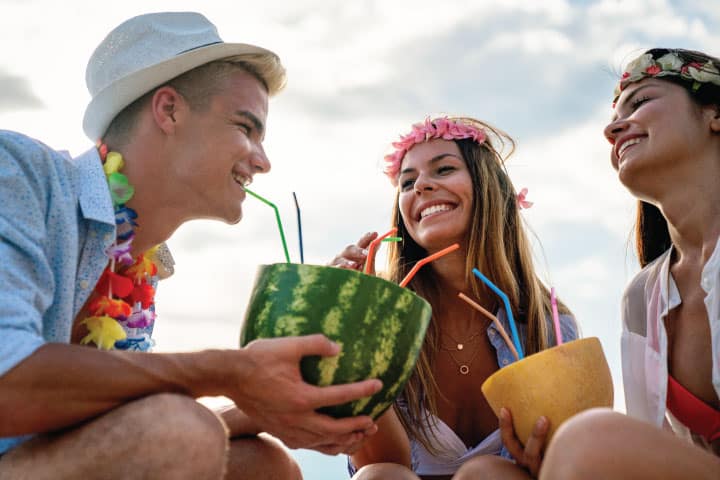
(26,278)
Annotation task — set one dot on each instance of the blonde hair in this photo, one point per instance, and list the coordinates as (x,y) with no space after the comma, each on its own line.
(497,245)
(198,86)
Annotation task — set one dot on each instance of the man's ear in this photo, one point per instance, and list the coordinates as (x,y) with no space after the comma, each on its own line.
(164,104)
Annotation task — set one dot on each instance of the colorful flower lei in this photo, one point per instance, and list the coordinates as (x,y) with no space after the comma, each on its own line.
(443,127)
(122,308)
(670,64)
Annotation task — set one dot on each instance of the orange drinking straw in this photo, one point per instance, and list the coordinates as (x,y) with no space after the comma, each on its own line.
(498,325)
(425,260)
(370,260)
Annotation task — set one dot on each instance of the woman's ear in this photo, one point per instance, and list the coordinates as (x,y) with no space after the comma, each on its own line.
(715,120)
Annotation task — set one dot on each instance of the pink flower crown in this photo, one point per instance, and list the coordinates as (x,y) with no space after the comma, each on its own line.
(442,127)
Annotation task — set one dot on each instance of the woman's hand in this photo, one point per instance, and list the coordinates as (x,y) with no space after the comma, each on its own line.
(354,256)
(530,456)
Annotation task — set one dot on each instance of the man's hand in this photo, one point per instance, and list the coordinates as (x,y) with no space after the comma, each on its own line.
(272,392)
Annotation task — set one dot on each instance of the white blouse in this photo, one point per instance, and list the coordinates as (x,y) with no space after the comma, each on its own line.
(645,305)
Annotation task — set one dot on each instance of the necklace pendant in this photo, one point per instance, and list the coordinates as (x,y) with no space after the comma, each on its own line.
(464,369)
(460,346)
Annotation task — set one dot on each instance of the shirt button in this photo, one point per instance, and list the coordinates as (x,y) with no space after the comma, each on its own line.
(107,237)
(505,362)
(491,333)
(84,284)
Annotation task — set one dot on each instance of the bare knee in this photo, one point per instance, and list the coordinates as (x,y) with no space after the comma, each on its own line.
(384,471)
(260,457)
(178,430)
(490,467)
(582,444)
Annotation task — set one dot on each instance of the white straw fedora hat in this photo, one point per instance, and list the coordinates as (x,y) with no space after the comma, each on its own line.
(147,51)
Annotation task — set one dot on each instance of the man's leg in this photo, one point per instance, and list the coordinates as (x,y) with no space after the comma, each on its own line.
(261,457)
(160,436)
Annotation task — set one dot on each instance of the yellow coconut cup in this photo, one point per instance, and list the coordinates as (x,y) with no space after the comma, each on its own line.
(556,383)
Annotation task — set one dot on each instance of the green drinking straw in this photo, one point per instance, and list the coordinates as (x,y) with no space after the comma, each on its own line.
(392,239)
(506,301)
(277,217)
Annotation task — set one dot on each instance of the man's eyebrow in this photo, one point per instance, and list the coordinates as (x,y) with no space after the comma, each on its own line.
(253,118)
(628,98)
(432,160)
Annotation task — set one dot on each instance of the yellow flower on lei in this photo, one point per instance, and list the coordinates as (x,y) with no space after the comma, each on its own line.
(104,332)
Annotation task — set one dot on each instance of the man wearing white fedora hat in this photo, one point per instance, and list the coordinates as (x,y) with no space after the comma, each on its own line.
(179,117)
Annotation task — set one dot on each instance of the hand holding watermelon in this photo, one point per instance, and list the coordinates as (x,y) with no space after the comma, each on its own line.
(379,326)
(272,392)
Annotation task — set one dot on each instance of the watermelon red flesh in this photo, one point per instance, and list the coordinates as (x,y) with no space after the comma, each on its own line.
(379,325)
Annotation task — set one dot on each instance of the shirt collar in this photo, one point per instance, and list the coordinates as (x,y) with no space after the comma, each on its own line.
(95,201)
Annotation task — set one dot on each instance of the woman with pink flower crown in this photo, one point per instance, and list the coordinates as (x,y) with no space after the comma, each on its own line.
(452,187)
(665,137)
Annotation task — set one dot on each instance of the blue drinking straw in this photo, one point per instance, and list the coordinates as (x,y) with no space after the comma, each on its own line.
(299,224)
(506,301)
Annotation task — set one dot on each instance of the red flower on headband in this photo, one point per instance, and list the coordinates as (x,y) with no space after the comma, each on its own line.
(653,70)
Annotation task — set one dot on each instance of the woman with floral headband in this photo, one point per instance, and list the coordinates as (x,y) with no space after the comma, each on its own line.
(452,187)
(665,138)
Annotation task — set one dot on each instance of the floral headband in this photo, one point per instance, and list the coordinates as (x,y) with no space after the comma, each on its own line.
(447,129)
(443,127)
(670,64)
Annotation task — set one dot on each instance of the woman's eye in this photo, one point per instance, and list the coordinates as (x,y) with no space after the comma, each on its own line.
(245,128)
(638,101)
(406,184)
(446,169)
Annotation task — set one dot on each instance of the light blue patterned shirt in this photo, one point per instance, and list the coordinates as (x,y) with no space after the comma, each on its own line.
(56,220)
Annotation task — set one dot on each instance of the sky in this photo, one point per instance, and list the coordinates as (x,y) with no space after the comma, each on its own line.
(359,74)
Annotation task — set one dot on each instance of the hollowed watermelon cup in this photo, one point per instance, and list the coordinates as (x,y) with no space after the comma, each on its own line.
(379,325)
(557,383)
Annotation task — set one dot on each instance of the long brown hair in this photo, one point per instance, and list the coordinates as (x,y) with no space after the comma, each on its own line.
(497,245)
(652,237)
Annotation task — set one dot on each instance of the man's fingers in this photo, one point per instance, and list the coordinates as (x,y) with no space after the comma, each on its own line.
(338,394)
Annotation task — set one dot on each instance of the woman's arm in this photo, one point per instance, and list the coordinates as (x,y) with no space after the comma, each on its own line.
(389,444)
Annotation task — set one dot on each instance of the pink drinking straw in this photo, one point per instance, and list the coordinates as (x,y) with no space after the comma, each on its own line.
(370,260)
(556,317)
(498,325)
(425,260)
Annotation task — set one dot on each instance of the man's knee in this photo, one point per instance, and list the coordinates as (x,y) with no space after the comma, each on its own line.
(260,457)
(180,429)
(487,467)
(378,471)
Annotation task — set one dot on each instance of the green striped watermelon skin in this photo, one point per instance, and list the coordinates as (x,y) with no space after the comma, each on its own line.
(379,325)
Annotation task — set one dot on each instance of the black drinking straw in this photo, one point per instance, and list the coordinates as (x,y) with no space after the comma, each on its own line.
(299,223)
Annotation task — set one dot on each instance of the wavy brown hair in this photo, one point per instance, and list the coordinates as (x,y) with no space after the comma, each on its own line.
(497,245)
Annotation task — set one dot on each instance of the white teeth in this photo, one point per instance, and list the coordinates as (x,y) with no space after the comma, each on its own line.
(434,209)
(628,143)
(242,179)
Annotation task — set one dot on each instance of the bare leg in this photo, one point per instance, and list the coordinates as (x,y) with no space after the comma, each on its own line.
(601,444)
(384,471)
(260,457)
(160,436)
(490,467)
